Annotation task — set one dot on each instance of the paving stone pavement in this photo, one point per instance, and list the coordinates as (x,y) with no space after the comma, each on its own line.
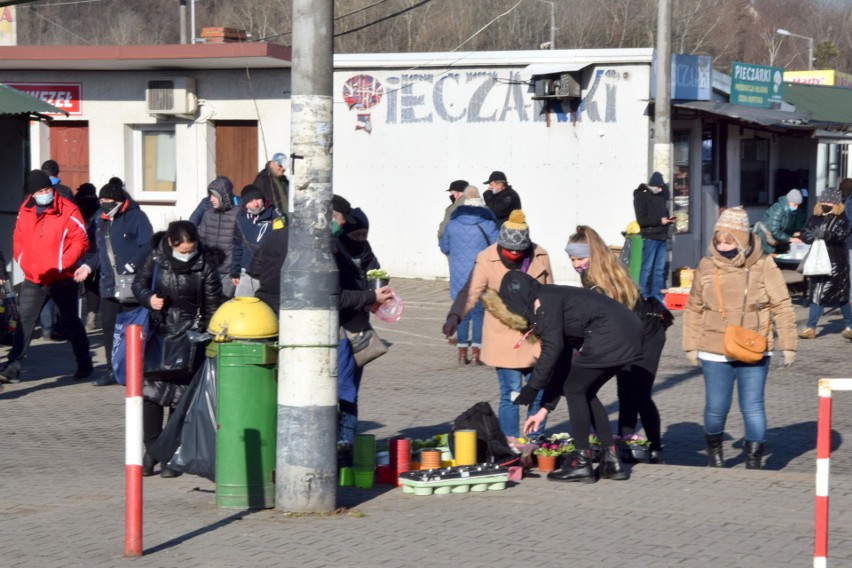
(62,476)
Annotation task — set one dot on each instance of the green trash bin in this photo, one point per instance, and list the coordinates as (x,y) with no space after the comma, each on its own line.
(635,256)
(247,416)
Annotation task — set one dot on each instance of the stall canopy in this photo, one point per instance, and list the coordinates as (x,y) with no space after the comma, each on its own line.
(828,107)
(764,117)
(14,102)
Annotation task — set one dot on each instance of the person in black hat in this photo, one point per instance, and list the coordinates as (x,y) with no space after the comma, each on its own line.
(254,224)
(48,241)
(500,197)
(456,192)
(122,241)
(650,204)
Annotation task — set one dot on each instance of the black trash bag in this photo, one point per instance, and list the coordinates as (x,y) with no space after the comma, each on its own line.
(188,442)
(491,443)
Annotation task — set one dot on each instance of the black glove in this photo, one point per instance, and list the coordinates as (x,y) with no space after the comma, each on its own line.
(526,396)
(820,233)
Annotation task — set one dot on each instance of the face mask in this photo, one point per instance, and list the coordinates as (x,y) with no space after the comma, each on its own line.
(827,208)
(44,199)
(582,268)
(729,254)
(452,198)
(336,230)
(254,210)
(110,209)
(512,255)
(793,207)
(184,257)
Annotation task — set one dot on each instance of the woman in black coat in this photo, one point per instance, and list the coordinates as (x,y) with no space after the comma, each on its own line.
(830,224)
(179,282)
(607,336)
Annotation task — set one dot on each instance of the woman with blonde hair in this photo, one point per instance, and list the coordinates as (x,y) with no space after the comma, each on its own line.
(600,271)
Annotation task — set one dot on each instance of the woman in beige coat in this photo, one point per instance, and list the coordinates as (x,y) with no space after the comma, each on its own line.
(502,347)
(740,279)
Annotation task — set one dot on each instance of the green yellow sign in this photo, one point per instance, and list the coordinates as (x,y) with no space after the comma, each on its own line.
(756,85)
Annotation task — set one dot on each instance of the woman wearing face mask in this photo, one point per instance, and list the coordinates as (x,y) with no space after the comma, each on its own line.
(830,224)
(747,284)
(178,280)
(776,228)
(254,223)
(354,257)
(123,241)
(600,271)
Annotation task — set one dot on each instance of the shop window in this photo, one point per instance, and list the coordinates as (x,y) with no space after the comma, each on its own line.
(680,186)
(154,162)
(754,171)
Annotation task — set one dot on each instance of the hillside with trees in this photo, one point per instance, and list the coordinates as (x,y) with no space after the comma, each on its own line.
(727,30)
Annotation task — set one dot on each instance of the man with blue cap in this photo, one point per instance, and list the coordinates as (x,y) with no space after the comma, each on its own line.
(273,184)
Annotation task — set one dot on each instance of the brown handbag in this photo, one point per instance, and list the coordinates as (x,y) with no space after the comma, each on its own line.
(738,342)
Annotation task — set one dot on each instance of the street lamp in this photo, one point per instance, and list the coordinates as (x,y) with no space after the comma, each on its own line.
(810,45)
(552,43)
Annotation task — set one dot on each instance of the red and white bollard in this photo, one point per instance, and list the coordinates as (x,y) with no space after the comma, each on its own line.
(823,451)
(133,444)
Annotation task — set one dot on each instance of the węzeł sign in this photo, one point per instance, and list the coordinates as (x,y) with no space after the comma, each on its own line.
(756,85)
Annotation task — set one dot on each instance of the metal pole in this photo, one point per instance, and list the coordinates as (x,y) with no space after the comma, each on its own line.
(663,107)
(133,445)
(810,54)
(192,21)
(306,458)
(553,25)
(182,10)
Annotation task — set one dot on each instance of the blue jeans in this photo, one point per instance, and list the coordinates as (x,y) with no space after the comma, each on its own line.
(348,383)
(474,318)
(719,388)
(652,275)
(815,312)
(509,415)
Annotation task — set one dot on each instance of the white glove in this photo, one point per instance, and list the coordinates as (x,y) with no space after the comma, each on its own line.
(789,357)
(692,356)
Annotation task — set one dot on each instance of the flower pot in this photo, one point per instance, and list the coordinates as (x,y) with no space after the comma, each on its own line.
(640,454)
(378,283)
(546,463)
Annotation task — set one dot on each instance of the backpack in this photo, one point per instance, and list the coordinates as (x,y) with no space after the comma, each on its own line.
(491,444)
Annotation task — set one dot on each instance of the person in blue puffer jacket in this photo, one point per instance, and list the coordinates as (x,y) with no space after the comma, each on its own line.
(254,222)
(124,227)
(472,228)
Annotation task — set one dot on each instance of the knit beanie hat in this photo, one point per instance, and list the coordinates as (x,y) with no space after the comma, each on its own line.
(831,195)
(250,192)
(359,221)
(794,196)
(515,233)
(112,191)
(37,180)
(656,180)
(734,221)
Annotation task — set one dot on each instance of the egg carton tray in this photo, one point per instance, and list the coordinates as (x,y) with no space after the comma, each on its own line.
(457,479)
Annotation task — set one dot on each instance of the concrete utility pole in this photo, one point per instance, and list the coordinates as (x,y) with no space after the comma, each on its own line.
(663,99)
(306,464)
(182,10)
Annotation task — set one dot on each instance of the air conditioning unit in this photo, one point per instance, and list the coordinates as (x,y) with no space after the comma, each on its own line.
(171,96)
(562,86)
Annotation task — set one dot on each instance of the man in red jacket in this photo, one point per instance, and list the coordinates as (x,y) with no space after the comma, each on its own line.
(49,240)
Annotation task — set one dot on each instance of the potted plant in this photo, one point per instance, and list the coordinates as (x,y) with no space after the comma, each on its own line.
(595,447)
(377,278)
(634,448)
(547,454)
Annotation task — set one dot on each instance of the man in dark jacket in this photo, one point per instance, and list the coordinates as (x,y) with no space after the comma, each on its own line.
(255,222)
(456,192)
(217,227)
(48,241)
(500,197)
(273,184)
(122,242)
(650,202)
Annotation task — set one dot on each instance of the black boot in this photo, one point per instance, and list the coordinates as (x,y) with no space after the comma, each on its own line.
(577,467)
(754,454)
(148,464)
(657,456)
(611,466)
(714,450)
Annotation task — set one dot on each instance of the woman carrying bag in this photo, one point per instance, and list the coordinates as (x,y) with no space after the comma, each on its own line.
(180,284)
(736,286)
(829,224)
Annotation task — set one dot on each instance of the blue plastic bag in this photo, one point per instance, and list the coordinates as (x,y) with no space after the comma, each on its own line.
(138,316)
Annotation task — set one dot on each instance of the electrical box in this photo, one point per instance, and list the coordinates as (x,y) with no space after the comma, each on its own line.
(561,86)
(171,96)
